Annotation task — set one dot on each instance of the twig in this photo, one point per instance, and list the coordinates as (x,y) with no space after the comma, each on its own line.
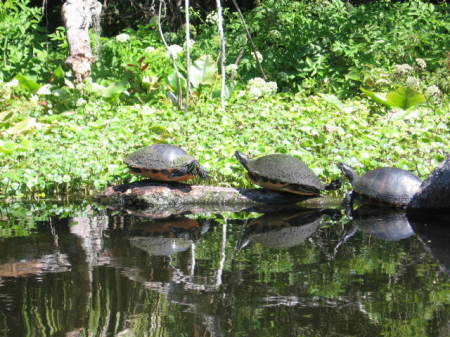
(172,58)
(188,55)
(255,52)
(222,54)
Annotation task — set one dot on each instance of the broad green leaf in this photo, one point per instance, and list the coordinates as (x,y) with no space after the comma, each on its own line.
(203,71)
(115,89)
(112,90)
(58,72)
(173,81)
(378,97)
(27,83)
(5,115)
(354,75)
(404,98)
(22,126)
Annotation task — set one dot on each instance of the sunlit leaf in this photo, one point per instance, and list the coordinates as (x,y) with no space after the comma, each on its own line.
(172,80)
(58,72)
(27,83)
(378,97)
(22,126)
(203,71)
(404,98)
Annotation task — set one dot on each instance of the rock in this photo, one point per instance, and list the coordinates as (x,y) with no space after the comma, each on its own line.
(434,193)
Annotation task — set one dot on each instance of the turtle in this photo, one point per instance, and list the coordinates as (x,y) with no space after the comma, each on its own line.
(164,162)
(386,186)
(281,172)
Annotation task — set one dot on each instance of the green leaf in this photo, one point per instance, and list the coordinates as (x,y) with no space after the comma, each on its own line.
(173,81)
(5,115)
(203,71)
(22,126)
(378,97)
(27,83)
(113,89)
(404,98)
(58,72)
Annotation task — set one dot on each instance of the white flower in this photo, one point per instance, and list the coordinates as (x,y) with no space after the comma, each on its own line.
(122,37)
(212,18)
(402,69)
(255,92)
(382,81)
(258,87)
(421,63)
(191,44)
(45,90)
(259,55)
(231,68)
(80,102)
(433,91)
(12,84)
(149,49)
(257,81)
(174,50)
(271,87)
(412,82)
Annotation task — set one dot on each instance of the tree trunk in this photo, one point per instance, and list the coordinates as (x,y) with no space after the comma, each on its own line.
(434,193)
(78,16)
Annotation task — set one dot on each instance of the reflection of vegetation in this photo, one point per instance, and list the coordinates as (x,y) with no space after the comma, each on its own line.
(369,288)
(21,218)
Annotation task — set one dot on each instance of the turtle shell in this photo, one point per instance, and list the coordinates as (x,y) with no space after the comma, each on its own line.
(283,172)
(387,185)
(162,162)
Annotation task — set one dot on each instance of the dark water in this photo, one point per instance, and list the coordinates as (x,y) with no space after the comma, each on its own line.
(279,274)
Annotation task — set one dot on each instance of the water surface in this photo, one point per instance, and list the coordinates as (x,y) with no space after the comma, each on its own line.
(290,273)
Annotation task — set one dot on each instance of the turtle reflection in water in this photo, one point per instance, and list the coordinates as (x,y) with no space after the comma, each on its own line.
(168,236)
(285,229)
(384,223)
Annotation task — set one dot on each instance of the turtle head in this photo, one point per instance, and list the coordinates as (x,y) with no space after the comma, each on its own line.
(334,185)
(347,171)
(243,159)
(196,169)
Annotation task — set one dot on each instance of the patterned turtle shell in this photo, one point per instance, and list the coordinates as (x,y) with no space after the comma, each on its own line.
(282,172)
(164,162)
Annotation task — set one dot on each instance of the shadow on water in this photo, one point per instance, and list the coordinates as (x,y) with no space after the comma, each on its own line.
(296,272)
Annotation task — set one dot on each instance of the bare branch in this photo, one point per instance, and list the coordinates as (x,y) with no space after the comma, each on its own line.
(188,55)
(255,52)
(222,54)
(172,58)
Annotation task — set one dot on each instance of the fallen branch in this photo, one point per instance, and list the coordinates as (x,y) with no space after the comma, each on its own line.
(160,199)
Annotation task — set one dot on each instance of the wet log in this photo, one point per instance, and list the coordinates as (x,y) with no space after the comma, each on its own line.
(178,198)
(434,193)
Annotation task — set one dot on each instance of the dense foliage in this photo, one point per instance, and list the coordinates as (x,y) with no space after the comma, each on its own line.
(55,138)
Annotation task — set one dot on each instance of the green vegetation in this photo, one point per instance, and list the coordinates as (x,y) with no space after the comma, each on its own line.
(55,138)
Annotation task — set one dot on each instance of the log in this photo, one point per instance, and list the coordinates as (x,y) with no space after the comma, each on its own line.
(434,192)
(161,199)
